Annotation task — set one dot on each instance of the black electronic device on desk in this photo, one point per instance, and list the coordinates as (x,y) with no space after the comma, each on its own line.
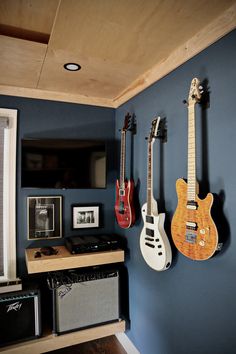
(92,243)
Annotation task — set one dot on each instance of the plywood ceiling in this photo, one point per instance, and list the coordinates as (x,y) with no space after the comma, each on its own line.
(122,46)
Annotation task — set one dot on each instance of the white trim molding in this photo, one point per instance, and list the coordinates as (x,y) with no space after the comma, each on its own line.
(9,195)
(127,344)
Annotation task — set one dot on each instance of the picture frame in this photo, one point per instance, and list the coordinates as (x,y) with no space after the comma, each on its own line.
(85,216)
(44,217)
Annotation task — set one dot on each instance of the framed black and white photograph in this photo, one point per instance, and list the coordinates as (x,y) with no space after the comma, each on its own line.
(85,216)
(44,214)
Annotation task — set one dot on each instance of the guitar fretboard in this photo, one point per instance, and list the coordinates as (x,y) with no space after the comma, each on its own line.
(149,179)
(191,193)
(122,160)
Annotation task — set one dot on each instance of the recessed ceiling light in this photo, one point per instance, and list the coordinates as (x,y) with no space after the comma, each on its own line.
(72,66)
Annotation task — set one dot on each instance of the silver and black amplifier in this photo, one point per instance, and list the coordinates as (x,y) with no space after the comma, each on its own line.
(82,300)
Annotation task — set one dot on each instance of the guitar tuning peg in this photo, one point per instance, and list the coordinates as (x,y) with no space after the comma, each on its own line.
(201,90)
(146,138)
(185,102)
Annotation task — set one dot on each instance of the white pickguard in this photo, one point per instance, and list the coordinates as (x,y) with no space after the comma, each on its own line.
(154,243)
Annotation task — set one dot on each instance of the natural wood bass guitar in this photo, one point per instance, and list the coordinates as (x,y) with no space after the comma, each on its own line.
(124,205)
(154,243)
(193,230)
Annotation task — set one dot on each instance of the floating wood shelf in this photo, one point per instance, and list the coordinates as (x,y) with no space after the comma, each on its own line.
(51,342)
(65,260)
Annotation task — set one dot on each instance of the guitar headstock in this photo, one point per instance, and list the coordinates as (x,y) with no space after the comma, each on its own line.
(127,123)
(195,92)
(154,129)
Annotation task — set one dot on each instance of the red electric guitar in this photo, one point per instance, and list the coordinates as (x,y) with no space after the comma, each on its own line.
(124,209)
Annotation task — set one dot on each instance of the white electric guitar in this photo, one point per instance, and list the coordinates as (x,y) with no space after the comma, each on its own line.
(154,243)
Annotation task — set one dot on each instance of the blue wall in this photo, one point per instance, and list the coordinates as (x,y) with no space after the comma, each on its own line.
(191,307)
(48,119)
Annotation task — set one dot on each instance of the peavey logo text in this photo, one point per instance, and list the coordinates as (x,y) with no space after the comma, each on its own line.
(15,306)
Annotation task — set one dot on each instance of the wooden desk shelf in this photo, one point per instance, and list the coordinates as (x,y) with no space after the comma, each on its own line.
(65,260)
(51,342)
(61,261)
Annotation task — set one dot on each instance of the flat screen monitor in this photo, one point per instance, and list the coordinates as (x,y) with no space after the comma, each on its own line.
(62,163)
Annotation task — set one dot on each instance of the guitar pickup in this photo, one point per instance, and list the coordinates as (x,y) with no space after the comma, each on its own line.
(149,219)
(149,232)
(191,225)
(121,208)
(191,204)
(121,192)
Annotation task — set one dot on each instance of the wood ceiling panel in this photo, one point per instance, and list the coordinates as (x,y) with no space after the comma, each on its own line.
(216,29)
(122,46)
(117,41)
(20,61)
(97,78)
(27,19)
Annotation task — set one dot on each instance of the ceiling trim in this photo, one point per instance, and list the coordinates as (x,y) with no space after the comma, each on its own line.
(215,30)
(55,96)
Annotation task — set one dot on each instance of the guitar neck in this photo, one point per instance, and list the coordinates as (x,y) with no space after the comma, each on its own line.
(150,179)
(191,191)
(122,160)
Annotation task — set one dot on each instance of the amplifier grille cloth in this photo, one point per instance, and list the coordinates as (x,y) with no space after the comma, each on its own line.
(87,303)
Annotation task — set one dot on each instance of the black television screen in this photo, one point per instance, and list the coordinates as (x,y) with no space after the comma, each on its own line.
(62,163)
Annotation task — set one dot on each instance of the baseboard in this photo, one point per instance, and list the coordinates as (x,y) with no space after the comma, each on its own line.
(127,344)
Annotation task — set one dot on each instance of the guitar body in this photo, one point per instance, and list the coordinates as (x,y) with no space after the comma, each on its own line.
(124,209)
(154,244)
(193,230)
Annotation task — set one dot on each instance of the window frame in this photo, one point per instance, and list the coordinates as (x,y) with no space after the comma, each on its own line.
(9,195)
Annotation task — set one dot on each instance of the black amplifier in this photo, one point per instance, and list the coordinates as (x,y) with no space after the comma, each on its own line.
(89,243)
(20,316)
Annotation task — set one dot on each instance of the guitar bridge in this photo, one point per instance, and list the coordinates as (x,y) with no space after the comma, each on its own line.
(191,238)
(149,245)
